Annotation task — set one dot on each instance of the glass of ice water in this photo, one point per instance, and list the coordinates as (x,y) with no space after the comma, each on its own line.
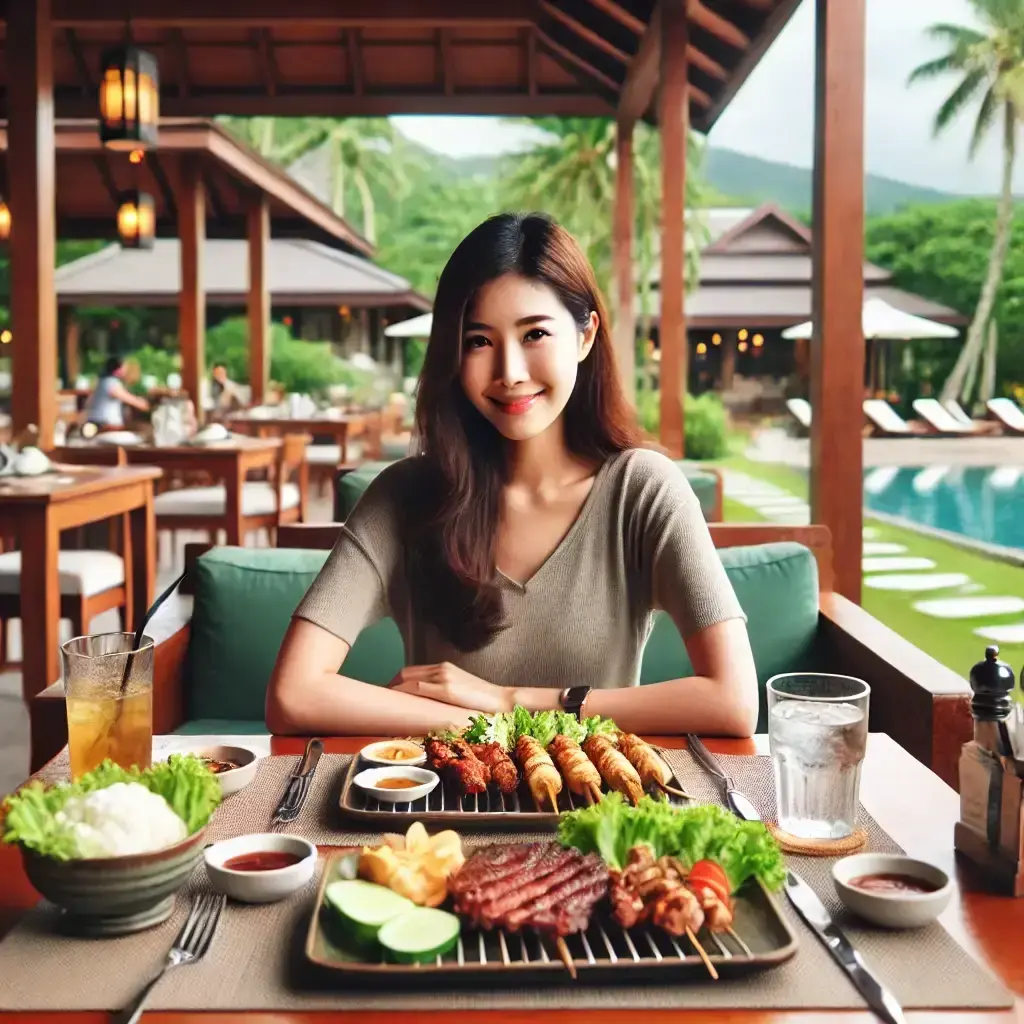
(818,731)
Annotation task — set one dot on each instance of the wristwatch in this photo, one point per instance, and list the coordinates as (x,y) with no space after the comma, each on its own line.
(573,699)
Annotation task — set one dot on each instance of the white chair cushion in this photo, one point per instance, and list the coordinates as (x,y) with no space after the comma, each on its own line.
(258,499)
(323,454)
(80,572)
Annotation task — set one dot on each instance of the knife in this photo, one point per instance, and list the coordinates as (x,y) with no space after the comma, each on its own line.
(298,784)
(817,917)
(734,799)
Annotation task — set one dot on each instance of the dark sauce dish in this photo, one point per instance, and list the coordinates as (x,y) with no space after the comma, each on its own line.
(891,889)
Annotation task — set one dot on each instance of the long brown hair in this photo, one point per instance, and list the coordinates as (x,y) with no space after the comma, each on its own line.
(452,570)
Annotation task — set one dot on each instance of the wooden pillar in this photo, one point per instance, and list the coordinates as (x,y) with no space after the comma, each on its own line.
(622,258)
(674,118)
(837,351)
(30,171)
(259,298)
(72,360)
(192,304)
(728,360)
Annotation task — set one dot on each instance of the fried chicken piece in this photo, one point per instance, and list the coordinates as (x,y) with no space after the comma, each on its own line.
(503,771)
(539,771)
(642,756)
(457,761)
(616,771)
(577,769)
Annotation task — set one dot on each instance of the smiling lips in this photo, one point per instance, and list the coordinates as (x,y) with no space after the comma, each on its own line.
(518,405)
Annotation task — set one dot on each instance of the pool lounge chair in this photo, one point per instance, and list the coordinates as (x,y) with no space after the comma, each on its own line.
(940,419)
(956,410)
(1008,413)
(801,411)
(886,420)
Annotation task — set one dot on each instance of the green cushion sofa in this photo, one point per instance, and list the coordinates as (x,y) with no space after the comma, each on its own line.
(212,667)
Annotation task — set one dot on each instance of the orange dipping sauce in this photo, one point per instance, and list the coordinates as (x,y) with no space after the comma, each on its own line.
(396,783)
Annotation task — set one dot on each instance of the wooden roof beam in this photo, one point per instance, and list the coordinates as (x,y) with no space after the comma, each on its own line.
(84,75)
(620,14)
(355,61)
(444,57)
(718,26)
(180,48)
(531,61)
(567,56)
(585,32)
(268,13)
(266,59)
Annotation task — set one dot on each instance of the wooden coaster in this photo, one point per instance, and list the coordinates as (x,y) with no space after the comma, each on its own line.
(818,847)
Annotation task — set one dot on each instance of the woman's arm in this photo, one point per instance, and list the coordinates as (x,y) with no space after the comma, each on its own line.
(122,394)
(719,700)
(306,694)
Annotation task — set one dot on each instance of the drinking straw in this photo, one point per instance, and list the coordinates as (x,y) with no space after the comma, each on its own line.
(139,633)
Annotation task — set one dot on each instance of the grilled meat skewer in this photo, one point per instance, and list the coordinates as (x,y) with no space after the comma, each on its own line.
(615,769)
(539,771)
(651,768)
(456,761)
(577,769)
(503,770)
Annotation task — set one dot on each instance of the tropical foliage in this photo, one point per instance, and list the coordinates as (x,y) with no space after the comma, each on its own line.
(990,67)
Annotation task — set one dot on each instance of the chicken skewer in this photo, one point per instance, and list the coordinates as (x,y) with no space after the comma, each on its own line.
(651,768)
(539,771)
(503,771)
(577,769)
(457,761)
(615,769)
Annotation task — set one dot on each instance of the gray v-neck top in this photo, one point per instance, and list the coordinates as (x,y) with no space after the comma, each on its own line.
(638,544)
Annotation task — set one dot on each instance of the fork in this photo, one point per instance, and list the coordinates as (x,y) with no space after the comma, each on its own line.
(191,945)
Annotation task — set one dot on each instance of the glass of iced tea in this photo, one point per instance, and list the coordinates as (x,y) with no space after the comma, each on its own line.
(106,720)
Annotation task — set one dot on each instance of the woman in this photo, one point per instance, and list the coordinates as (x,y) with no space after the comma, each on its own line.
(523,553)
(104,405)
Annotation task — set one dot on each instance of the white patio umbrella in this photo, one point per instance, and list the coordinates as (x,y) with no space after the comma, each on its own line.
(417,327)
(886,322)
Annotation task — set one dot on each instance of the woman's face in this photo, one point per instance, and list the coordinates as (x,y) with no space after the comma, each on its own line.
(520,352)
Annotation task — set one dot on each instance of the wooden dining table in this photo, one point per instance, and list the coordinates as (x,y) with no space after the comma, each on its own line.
(910,803)
(36,510)
(340,427)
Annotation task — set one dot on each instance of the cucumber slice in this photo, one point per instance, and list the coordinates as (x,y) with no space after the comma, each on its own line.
(419,936)
(360,908)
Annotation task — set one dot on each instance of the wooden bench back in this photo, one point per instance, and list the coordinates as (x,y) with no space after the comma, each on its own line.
(725,535)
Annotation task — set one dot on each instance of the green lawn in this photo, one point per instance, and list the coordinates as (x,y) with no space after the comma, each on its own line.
(950,641)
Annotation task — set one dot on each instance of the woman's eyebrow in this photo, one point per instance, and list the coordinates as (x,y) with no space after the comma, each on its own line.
(522,322)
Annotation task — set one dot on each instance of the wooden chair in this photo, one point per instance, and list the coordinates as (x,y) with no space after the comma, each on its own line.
(92,581)
(263,504)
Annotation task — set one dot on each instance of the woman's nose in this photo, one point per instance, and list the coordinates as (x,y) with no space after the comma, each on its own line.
(512,368)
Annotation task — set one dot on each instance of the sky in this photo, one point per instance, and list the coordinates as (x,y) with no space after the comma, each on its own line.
(773,114)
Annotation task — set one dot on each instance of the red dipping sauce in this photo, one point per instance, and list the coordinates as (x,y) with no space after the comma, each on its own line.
(262,860)
(892,885)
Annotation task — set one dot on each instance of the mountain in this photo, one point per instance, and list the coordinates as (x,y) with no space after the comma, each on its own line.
(752,181)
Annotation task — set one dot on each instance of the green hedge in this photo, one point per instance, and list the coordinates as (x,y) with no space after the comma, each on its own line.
(705,422)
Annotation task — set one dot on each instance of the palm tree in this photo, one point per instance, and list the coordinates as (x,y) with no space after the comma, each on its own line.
(990,63)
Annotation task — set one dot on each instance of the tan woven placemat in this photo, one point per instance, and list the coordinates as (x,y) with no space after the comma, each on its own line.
(256,962)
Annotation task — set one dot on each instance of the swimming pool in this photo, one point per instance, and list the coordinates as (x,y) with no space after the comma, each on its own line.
(985,504)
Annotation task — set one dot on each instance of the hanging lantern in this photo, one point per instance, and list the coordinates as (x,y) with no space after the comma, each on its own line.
(5,221)
(136,220)
(129,98)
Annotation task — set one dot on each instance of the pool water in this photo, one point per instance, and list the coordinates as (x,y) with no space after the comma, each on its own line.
(985,504)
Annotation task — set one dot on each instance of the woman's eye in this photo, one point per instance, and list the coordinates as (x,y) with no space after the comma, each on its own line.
(476,341)
(535,335)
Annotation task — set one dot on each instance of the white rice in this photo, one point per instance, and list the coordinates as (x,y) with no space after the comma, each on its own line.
(123,819)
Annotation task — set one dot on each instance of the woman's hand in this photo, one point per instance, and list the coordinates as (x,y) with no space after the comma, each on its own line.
(452,685)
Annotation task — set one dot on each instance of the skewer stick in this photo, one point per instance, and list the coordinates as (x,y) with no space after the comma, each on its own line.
(566,956)
(673,791)
(552,796)
(702,954)
(595,792)
(589,794)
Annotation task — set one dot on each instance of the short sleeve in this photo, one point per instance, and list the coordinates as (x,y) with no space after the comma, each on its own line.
(351,592)
(684,573)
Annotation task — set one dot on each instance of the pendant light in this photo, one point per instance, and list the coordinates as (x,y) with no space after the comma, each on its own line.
(136,219)
(5,220)
(129,96)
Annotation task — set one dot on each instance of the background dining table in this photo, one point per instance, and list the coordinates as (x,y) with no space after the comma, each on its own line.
(36,510)
(340,427)
(910,803)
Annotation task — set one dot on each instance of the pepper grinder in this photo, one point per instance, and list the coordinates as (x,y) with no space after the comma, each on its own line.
(992,681)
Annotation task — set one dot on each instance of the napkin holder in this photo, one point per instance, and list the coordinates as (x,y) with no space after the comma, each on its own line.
(990,832)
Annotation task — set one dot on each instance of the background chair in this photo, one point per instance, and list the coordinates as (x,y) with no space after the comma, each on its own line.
(1008,413)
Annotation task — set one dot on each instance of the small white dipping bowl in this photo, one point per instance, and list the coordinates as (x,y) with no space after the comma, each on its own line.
(376,753)
(236,778)
(367,780)
(898,909)
(260,886)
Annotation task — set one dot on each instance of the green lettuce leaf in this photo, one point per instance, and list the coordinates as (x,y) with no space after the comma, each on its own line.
(596,725)
(612,827)
(185,782)
(479,725)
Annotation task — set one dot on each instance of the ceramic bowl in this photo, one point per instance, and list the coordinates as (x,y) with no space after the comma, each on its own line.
(260,886)
(115,895)
(892,910)
(234,779)
(377,753)
(368,782)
